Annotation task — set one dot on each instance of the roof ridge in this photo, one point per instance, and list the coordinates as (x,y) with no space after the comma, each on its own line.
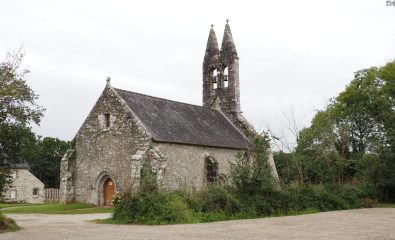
(165,99)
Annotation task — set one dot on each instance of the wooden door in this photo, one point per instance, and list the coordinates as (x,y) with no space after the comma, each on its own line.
(108,191)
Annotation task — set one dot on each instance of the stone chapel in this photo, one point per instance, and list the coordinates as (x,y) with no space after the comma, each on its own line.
(187,145)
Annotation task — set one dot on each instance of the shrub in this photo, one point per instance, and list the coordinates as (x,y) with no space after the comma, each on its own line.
(161,208)
(367,202)
(152,208)
(7,224)
(218,199)
(251,174)
(124,208)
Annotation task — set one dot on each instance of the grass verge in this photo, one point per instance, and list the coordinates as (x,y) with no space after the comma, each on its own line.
(212,217)
(7,205)
(7,224)
(384,205)
(57,208)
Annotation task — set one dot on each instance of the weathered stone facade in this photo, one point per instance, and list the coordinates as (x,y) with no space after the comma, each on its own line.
(118,151)
(185,164)
(103,152)
(187,146)
(25,187)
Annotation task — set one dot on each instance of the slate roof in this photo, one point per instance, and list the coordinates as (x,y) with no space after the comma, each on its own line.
(22,165)
(176,122)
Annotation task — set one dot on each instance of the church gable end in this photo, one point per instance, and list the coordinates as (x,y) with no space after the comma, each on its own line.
(110,144)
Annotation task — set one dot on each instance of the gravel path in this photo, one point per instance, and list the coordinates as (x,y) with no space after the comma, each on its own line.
(377,223)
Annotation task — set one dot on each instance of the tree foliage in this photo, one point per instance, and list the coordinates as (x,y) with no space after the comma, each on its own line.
(18,108)
(17,100)
(353,138)
(251,173)
(44,156)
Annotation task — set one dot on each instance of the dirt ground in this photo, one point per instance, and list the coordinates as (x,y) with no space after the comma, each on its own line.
(377,223)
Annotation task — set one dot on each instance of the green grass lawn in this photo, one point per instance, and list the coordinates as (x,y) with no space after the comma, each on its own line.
(7,205)
(55,208)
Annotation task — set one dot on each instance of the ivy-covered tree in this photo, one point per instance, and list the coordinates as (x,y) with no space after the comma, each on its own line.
(18,109)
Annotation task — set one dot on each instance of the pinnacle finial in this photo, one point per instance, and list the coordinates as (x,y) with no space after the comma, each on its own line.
(227,42)
(108,80)
(212,26)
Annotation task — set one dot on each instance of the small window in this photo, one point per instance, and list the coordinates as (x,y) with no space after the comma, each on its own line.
(211,171)
(226,78)
(13,174)
(35,192)
(107,120)
(13,194)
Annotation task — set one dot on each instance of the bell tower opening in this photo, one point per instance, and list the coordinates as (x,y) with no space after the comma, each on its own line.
(214,78)
(226,74)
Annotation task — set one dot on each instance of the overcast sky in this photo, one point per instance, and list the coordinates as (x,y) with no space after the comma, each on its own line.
(294,55)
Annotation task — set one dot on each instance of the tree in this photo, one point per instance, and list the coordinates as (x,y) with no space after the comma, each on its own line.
(251,174)
(44,156)
(18,109)
(17,100)
(290,165)
(354,136)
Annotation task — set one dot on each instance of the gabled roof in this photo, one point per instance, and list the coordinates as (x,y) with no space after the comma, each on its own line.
(22,165)
(175,122)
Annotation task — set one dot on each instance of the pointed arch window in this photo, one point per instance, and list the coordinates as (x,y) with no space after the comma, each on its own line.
(211,171)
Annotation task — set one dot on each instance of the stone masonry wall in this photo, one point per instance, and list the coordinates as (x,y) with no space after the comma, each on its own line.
(185,164)
(113,151)
(24,183)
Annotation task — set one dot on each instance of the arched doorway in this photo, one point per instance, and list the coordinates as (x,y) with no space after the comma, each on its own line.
(108,191)
(106,185)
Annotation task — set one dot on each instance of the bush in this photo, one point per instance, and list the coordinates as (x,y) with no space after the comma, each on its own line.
(218,204)
(321,198)
(367,202)
(124,208)
(253,193)
(216,199)
(7,224)
(152,208)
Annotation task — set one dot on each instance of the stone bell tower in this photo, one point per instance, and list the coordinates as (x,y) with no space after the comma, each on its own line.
(221,86)
(221,73)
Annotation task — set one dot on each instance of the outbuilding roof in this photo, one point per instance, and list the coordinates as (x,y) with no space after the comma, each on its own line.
(175,122)
(22,165)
